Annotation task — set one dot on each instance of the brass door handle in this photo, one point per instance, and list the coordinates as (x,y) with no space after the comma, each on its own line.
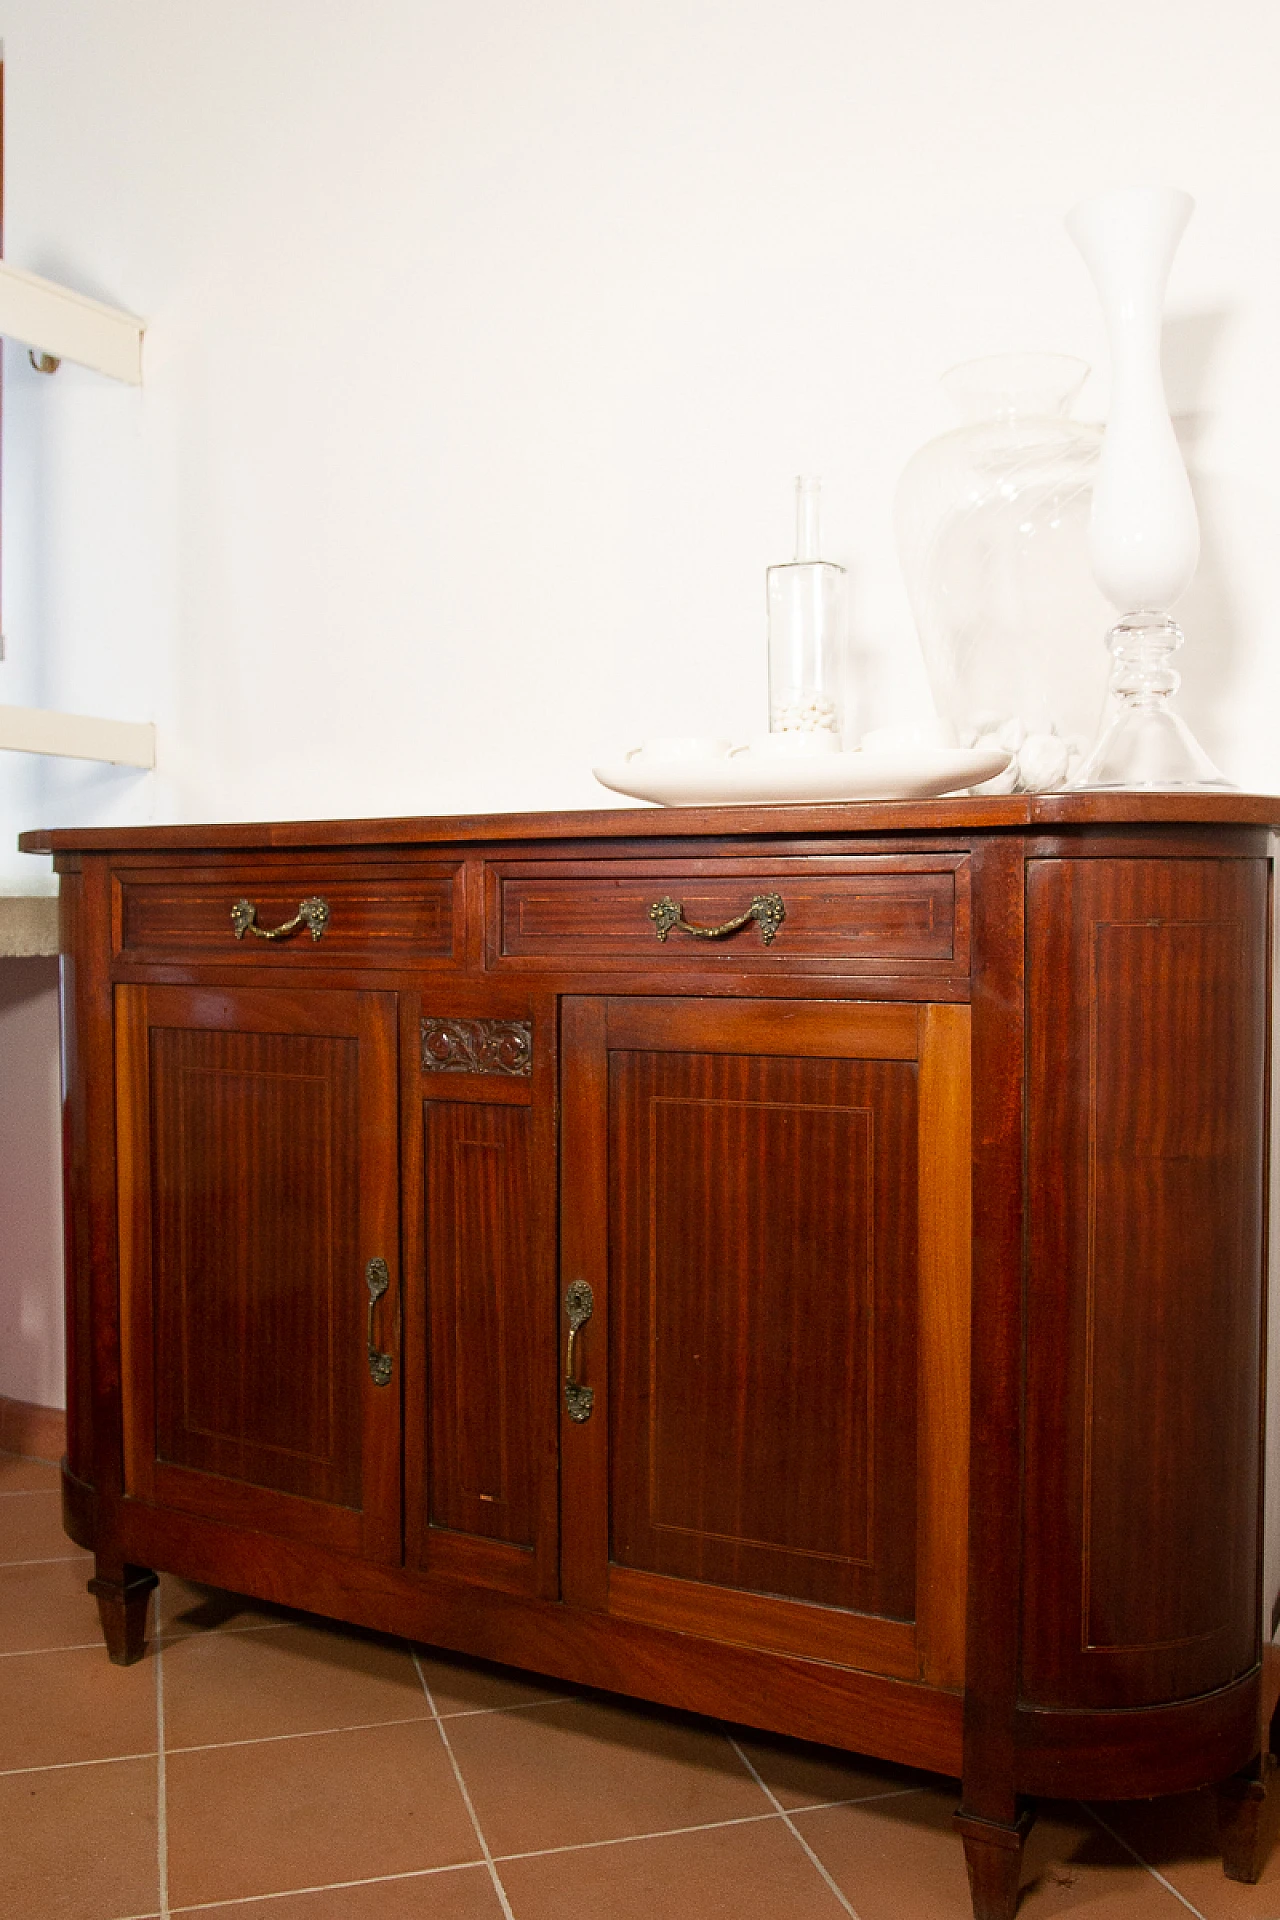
(313,913)
(578,1304)
(378,1280)
(766,910)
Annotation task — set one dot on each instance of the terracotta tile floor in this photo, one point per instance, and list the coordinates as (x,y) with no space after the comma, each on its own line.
(268,1766)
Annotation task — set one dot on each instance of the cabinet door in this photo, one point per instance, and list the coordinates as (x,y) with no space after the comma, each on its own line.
(257,1135)
(481,1466)
(769,1204)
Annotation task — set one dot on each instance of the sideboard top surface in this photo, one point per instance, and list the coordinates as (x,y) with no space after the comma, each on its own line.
(964,815)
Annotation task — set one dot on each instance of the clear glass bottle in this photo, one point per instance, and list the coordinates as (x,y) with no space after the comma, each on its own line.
(806,641)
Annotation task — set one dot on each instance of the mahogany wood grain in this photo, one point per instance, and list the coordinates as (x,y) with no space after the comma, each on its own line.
(762,1322)
(122,1610)
(983,814)
(584,1255)
(93,1292)
(77,1028)
(943,1323)
(1148,1004)
(1127,1753)
(810,1029)
(993,1613)
(480,1152)
(482,1299)
(1136,1091)
(555,982)
(381,916)
(768,1621)
(858,912)
(258,1175)
(79,1516)
(993,1858)
(1243,1833)
(899,1720)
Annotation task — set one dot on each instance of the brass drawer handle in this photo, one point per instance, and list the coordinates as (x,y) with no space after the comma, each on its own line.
(766,910)
(578,1304)
(378,1280)
(313,913)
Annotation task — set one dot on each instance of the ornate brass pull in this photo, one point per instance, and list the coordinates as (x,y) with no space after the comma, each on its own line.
(378,1280)
(766,910)
(578,1304)
(313,913)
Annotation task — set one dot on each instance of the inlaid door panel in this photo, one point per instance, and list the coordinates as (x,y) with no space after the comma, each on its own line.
(772,1216)
(481,1467)
(762,1331)
(1147,1001)
(258,1134)
(478,1280)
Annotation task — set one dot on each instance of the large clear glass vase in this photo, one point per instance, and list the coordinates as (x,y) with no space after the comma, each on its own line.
(992,524)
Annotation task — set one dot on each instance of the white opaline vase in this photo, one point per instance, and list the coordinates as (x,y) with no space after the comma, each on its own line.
(1144,536)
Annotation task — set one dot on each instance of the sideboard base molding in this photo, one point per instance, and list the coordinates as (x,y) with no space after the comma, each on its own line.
(916,1726)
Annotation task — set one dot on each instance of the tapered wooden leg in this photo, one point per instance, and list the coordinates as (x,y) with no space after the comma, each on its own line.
(1247,1813)
(1244,1835)
(993,1855)
(122,1609)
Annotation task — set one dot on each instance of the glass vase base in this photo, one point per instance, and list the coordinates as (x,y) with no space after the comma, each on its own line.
(1148,747)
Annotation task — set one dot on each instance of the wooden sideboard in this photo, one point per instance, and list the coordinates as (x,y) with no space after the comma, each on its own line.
(802,1265)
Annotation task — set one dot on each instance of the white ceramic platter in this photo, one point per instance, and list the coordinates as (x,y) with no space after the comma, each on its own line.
(746,780)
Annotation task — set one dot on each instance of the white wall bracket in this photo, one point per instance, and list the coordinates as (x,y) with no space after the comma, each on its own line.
(61,325)
(57,324)
(75,736)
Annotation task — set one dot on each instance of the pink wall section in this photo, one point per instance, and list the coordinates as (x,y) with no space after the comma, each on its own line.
(30,1184)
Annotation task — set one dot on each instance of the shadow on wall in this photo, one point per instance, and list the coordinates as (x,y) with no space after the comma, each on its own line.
(31,1339)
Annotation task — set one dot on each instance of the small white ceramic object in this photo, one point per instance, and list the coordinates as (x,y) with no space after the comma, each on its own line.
(674,749)
(763,780)
(790,746)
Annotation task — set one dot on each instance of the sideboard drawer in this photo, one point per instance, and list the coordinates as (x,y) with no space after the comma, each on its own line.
(258,915)
(878,913)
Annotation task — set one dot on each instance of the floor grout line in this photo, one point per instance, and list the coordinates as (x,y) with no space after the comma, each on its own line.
(776,1812)
(162,1786)
(793,1829)
(49,1560)
(330,1886)
(494,1875)
(1120,1841)
(76,1646)
(625,1839)
(305,1733)
(514,1706)
(56,1766)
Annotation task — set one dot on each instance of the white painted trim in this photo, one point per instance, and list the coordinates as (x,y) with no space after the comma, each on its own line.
(70,326)
(75,736)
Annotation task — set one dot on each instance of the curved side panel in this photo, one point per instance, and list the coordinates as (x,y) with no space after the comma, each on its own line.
(78,1509)
(76,1180)
(1128,1755)
(1147,989)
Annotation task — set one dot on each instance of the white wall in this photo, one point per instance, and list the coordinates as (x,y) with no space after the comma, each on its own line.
(485,339)
(30,1200)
